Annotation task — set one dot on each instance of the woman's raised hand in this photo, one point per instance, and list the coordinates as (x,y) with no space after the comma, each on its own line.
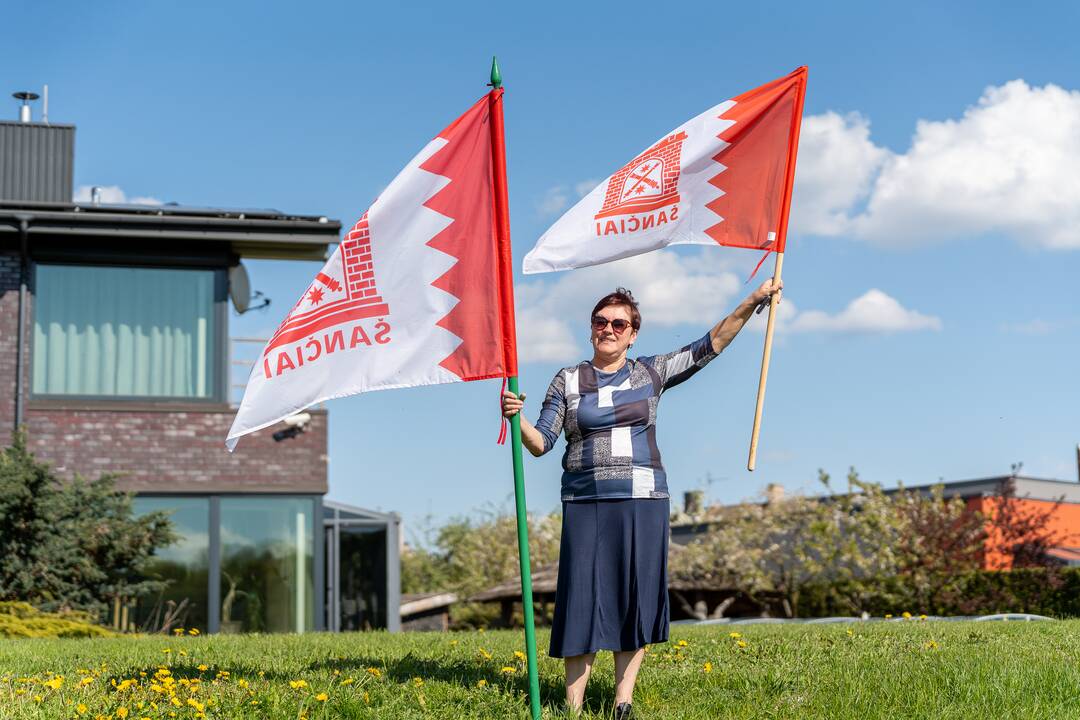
(511,403)
(767,288)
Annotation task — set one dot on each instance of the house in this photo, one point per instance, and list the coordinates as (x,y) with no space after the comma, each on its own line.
(115,356)
(1028,496)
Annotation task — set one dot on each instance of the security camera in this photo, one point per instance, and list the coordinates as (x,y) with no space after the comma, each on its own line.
(299,420)
(294,425)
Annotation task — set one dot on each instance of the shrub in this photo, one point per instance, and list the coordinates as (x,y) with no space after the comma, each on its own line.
(71,545)
(23,620)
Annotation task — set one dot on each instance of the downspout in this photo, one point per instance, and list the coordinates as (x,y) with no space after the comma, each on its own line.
(24,266)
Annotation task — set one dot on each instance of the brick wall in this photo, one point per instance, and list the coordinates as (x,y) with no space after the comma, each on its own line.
(9,319)
(155,447)
(163,451)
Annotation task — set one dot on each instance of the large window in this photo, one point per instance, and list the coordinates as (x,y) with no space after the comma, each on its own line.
(267,564)
(124,332)
(183,566)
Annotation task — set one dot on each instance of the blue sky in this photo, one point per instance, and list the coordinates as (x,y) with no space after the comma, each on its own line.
(933,322)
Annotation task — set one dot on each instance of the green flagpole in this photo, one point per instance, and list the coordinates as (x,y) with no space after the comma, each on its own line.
(502,225)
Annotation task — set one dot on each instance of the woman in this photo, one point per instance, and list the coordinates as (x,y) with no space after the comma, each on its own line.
(612,586)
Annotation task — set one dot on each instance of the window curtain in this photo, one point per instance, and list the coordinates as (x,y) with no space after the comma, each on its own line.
(123,331)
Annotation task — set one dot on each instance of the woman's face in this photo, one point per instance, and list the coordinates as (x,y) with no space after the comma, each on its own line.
(607,340)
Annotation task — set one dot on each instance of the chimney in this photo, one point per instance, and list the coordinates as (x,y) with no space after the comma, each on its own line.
(24,109)
(774,493)
(693,502)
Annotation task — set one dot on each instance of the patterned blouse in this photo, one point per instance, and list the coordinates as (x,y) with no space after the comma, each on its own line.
(610,423)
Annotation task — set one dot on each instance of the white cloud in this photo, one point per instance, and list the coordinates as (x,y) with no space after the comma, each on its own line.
(1007,165)
(113,195)
(691,288)
(554,201)
(558,198)
(672,289)
(872,312)
(837,163)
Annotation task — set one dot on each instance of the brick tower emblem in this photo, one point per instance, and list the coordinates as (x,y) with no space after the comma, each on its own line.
(343,292)
(648,182)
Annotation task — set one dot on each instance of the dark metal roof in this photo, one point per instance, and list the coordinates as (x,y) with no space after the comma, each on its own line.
(261,233)
(1026,487)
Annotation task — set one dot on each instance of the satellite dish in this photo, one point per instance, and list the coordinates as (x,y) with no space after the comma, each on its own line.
(239,288)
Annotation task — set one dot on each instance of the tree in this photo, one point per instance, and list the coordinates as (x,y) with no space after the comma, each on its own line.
(71,545)
(468,555)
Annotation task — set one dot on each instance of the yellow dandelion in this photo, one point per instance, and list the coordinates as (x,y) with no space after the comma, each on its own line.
(418,681)
(81,709)
(485,654)
(176,701)
(367,698)
(20,691)
(508,670)
(193,632)
(297,684)
(167,650)
(242,683)
(347,681)
(519,655)
(196,704)
(734,635)
(888,616)
(922,617)
(38,698)
(453,643)
(682,643)
(54,683)
(202,668)
(121,712)
(178,632)
(481,683)
(322,697)
(374,672)
(906,615)
(741,643)
(708,667)
(86,681)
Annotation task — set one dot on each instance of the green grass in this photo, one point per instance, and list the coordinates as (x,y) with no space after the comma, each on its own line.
(913,669)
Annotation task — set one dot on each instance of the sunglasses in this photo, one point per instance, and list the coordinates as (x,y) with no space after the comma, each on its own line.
(618,324)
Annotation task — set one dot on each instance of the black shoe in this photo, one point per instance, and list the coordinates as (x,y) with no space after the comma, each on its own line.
(624,711)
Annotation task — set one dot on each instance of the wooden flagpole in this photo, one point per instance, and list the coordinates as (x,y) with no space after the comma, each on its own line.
(502,227)
(781,239)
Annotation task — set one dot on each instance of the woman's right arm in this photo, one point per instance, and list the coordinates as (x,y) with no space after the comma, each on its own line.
(540,438)
(530,436)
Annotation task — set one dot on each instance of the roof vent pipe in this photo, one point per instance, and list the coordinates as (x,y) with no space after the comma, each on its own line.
(1078,461)
(24,109)
(95,195)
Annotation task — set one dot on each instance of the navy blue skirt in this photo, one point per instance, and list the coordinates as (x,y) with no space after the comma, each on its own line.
(612,591)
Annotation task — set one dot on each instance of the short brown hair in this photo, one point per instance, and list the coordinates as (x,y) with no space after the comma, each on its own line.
(621,296)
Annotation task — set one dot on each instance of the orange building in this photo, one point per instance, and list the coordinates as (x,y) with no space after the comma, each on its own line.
(1031,497)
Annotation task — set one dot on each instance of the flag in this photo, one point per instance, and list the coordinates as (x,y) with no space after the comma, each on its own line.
(723,178)
(414,294)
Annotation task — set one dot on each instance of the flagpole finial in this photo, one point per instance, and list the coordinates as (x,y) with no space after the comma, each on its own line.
(496,76)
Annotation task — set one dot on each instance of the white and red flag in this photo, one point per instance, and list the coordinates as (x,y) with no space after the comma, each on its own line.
(416,293)
(723,178)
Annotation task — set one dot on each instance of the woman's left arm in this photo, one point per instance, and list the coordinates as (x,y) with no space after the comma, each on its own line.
(726,330)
